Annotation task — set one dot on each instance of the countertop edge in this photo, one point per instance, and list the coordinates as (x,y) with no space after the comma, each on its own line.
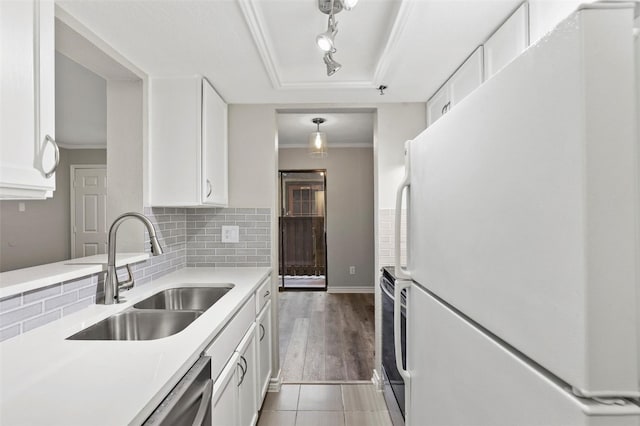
(27,279)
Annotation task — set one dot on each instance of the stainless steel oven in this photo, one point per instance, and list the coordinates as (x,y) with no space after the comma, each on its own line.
(394,390)
(189,403)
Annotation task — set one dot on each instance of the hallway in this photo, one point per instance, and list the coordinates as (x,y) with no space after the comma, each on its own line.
(326,337)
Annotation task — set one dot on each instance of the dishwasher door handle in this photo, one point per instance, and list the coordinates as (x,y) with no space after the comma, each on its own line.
(205,404)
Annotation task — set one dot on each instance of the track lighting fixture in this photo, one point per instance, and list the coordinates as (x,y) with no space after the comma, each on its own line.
(326,40)
(332,65)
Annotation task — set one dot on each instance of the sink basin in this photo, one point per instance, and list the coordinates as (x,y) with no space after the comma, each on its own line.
(185,298)
(138,325)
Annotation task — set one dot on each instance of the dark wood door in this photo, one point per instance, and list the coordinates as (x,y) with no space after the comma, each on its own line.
(302,248)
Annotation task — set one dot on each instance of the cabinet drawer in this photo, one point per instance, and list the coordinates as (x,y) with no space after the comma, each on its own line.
(226,342)
(263,294)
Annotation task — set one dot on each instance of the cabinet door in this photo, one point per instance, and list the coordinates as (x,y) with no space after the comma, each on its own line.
(438,105)
(467,78)
(224,404)
(27,105)
(247,405)
(511,39)
(175,141)
(263,341)
(214,147)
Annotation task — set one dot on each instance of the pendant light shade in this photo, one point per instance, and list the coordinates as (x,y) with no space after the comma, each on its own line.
(318,140)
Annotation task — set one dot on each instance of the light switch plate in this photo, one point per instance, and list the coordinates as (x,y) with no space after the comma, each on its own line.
(230,234)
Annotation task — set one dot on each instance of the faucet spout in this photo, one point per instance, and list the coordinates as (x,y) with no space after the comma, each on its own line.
(111,287)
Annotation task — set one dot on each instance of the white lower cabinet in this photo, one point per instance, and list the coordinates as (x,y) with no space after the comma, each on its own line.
(224,406)
(263,342)
(247,366)
(234,401)
(242,378)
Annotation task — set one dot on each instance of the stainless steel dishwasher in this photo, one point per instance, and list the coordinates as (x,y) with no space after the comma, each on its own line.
(189,402)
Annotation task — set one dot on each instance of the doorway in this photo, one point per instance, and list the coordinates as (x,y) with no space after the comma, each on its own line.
(302,230)
(88,210)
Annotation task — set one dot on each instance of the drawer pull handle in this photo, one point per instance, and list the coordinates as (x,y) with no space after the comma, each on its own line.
(262,329)
(267,293)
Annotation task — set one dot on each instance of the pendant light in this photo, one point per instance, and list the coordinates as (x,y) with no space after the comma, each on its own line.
(318,140)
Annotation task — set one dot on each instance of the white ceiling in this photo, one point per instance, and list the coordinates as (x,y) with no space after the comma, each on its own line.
(263,51)
(352,129)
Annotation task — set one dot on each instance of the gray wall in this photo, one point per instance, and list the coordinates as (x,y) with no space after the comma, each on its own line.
(81,105)
(42,233)
(124,160)
(350,210)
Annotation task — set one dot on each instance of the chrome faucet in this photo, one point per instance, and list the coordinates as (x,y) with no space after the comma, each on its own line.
(111,284)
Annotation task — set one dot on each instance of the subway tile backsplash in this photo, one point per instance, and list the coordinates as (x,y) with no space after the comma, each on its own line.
(204,237)
(26,311)
(189,237)
(386,237)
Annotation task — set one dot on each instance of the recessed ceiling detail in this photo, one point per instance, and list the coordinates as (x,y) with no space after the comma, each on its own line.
(284,48)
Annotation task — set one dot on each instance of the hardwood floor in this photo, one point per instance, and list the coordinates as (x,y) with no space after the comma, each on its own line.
(326,337)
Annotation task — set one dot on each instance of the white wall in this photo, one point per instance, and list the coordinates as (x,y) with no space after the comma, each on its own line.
(81,105)
(125,171)
(349,193)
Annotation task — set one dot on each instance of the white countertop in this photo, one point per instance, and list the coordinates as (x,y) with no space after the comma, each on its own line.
(21,280)
(47,380)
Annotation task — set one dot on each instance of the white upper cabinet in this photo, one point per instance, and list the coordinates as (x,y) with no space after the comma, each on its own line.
(465,80)
(28,153)
(468,77)
(214,147)
(188,143)
(438,105)
(511,39)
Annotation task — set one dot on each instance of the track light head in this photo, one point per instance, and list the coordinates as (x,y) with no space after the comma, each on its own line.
(325,40)
(332,64)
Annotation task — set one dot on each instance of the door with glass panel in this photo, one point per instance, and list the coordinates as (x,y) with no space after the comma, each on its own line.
(302,226)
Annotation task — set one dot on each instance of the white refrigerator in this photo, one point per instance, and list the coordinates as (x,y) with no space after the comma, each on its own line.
(524,239)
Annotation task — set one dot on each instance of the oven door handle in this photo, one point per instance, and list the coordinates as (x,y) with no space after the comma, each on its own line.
(391,296)
(397,336)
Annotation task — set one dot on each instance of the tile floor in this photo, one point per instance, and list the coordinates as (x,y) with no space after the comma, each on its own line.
(324,405)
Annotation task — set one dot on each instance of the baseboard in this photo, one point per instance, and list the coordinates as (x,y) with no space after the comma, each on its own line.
(275,383)
(376,379)
(358,289)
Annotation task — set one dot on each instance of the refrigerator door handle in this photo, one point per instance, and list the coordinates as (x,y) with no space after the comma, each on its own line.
(397,336)
(400,271)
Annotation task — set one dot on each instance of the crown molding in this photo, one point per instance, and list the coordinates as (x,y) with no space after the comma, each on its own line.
(399,25)
(257,27)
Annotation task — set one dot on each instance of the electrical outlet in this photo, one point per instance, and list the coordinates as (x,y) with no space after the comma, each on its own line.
(230,234)
(352,270)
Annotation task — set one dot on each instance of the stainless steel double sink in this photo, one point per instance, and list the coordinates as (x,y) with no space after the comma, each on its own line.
(163,314)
